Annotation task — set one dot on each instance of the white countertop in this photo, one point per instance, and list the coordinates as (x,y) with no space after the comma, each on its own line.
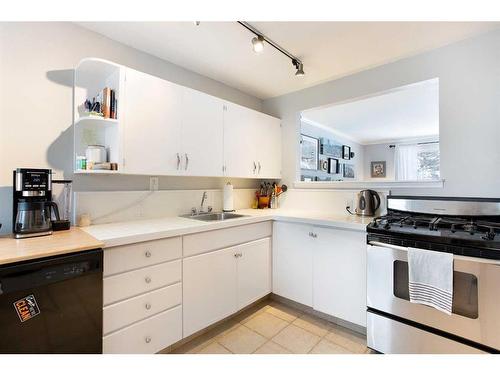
(122,233)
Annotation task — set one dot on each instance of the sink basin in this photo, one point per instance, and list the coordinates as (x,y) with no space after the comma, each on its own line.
(215,216)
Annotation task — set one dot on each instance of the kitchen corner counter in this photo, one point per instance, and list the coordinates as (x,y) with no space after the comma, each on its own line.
(62,242)
(123,233)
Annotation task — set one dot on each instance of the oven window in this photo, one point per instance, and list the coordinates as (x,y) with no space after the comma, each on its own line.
(464,290)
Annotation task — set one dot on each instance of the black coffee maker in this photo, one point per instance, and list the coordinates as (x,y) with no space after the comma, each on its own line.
(32,204)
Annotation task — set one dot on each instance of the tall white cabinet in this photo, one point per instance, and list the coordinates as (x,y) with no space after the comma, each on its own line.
(167,129)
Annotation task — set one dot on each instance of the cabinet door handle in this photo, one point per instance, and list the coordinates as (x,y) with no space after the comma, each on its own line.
(259,167)
(147,279)
(147,339)
(254,167)
(178,161)
(147,306)
(147,254)
(236,255)
(187,162)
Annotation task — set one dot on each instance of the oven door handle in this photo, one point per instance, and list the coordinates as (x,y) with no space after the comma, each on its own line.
(456,257)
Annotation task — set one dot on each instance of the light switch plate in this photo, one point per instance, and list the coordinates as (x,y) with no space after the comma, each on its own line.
(153,183)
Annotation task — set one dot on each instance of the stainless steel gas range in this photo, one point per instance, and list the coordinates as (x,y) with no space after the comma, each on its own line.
(467,227)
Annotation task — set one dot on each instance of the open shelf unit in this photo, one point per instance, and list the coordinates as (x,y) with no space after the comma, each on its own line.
(92,75)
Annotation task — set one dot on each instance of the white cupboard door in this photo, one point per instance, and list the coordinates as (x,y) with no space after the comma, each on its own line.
(292,261)
(152,123)
(254,271)
(209,289)
(202,134)
(340,274)
(240,141)
(269,148)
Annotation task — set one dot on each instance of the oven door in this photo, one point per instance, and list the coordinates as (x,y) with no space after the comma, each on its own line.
(476,300)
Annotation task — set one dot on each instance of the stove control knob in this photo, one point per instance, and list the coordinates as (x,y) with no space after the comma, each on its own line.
(387,226)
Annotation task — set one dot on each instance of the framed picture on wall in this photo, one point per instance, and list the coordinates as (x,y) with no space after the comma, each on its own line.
(377,169)
(333,165)
(348,171)
(346,152)
(309,154)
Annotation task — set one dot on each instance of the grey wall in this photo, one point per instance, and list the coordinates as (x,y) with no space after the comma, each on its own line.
(379,152)
(357,161)
(36,103)
(469,111)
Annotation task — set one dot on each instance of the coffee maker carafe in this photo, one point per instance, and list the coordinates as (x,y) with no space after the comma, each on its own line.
(32,203)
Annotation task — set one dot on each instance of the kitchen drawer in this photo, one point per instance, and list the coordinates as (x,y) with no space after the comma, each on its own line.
(125,258)
(123,313)
(148,336)
(198,243)
(133,283)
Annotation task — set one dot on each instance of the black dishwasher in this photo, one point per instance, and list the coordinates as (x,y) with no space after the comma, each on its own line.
(52,305)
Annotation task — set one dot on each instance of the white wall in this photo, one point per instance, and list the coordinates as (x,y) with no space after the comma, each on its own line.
(379,152)
(469,111)
(36,104)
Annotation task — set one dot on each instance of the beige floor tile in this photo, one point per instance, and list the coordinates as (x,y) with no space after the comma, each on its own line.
(224,328)
(242,340)
(266,324)
(246,315)
(350,340)
(296,339)
(198,343)
(272,348)
(283,312)
(328,347)
(313,324)
(214,348)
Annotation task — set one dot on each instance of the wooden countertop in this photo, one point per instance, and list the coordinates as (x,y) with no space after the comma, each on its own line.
(62,242)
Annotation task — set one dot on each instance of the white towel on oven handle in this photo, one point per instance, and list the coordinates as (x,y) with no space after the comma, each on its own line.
(431,278)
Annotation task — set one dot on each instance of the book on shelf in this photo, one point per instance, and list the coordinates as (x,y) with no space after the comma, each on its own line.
(106,102)
(113,105)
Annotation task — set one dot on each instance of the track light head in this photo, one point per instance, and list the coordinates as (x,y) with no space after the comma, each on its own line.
(300,68)
(258,44)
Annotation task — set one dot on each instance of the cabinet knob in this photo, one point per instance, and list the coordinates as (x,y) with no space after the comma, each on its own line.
(236,255)
(147,279)
(148,254)
(147,339)
(148,306)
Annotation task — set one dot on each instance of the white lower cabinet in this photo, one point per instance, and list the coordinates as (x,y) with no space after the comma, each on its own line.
(121,314)
(254,271)
(147,336)
(219,283)
(339,274)
(292,262)
(209,288)
(324,268)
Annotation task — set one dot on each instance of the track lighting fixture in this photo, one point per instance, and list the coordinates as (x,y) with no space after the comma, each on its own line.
(258,46)
(300,68)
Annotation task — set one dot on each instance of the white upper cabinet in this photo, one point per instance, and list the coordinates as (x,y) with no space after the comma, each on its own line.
(152,125)
(268,146)
(240,139)
(201,134)
(167,129)
(252,143)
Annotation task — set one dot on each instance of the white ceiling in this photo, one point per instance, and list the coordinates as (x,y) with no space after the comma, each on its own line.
(408,112)
(222,50)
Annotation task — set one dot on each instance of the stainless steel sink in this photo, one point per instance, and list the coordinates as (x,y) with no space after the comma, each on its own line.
(215,216)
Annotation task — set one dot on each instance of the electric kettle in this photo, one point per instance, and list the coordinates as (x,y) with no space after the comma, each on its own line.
(368,201)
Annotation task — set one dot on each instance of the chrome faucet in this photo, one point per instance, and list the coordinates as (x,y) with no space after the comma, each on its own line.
(201,210)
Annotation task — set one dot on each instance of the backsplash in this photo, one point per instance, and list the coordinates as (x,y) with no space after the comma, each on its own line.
(114,206)
(333,202)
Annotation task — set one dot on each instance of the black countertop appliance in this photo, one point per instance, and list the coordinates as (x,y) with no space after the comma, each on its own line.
(52,305)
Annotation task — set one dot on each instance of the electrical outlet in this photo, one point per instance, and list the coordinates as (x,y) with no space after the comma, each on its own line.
(153,183)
